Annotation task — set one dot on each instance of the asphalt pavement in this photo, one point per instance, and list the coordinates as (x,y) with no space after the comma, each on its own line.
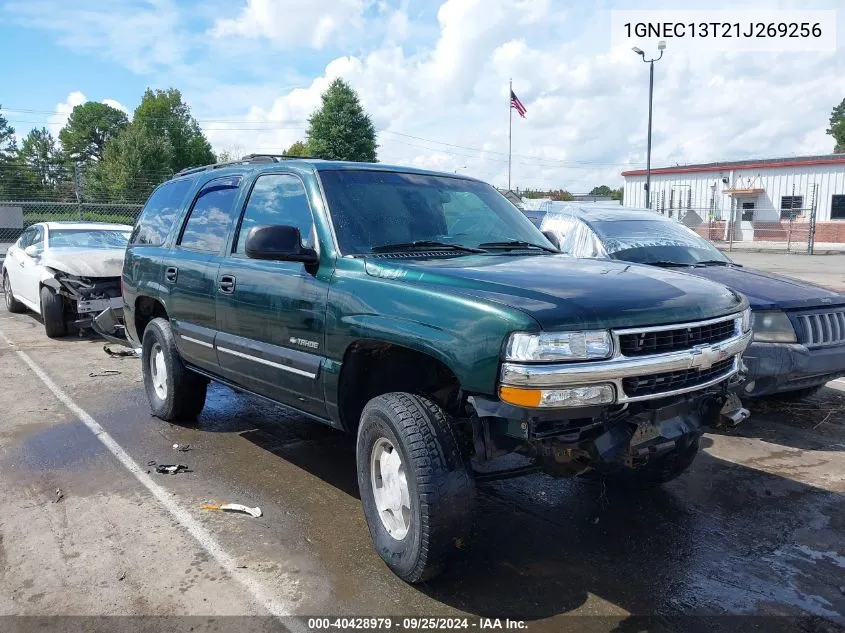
(754,528)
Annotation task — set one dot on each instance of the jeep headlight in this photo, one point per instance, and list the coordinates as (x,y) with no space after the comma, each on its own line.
(529,347)
(773,326)
(746,320)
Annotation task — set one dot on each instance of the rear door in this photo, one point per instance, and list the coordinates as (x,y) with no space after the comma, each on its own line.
(191,270)
(271,314)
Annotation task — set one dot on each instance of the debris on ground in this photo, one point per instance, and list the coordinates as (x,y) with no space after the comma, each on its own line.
(182,447)
(59,495)
(123,353)
(232,507)
(104,372)
(121,576)
(171,469)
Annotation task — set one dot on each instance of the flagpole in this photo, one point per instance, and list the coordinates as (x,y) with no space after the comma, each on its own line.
(510,128)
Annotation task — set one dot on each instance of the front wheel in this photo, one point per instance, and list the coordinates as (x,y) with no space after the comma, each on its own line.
(657,471)
(53,313)
(174,391)
(416,491)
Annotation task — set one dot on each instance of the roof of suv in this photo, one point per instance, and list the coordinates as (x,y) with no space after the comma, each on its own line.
(314,164)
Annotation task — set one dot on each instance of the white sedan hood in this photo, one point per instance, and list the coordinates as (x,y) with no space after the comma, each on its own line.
(81,262)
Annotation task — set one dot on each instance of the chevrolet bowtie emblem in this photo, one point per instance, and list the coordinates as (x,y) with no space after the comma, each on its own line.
(704,357)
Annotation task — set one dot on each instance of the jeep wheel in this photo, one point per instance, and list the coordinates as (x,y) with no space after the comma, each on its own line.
(12,305)
(416,491)
(174,391)
(53,313)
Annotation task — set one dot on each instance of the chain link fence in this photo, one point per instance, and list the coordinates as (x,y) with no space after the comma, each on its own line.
(793,232)
(31,194)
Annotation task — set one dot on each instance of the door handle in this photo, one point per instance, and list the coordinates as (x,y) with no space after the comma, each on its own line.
(226,284)
(170,274)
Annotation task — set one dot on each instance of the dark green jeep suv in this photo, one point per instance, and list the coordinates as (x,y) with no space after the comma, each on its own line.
(426,314)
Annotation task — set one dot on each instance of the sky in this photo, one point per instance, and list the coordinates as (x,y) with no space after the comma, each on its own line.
(433,74)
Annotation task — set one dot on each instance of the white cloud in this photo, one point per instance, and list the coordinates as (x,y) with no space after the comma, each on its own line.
(442,75)
(63,110)
(293,23)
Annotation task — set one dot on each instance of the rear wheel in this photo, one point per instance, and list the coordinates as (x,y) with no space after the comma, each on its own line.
(416,491)
(53,313)
(12,304)
(174,391)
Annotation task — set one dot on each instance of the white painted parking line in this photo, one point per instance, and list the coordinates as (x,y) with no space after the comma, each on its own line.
(276,606)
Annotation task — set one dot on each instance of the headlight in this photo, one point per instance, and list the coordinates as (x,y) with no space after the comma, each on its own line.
(773,327)
(589,395)
(746,320)
(558,346)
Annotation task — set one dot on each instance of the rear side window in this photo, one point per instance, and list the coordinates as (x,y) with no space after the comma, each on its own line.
(160,213)
(208,223)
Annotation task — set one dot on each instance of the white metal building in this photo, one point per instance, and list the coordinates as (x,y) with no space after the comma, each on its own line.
(758,194)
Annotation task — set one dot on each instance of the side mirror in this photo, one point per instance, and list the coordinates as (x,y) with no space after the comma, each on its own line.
(280,243)
(552,238)
(32,251)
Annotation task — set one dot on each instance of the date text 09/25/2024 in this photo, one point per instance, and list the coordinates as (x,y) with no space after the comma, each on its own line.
(415,624)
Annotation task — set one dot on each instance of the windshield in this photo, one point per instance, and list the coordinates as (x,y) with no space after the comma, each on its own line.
(652,241)
(88,238)
(372,209)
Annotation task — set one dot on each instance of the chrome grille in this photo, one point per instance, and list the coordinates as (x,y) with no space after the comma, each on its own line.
(670,381)
(819,329)
(678,338)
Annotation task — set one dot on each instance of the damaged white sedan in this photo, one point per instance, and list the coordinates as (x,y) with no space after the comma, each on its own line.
(67,272)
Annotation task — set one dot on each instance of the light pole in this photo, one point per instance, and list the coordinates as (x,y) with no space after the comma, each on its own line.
(661,46)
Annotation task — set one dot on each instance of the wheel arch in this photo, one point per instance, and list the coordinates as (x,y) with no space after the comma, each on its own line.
(373,367)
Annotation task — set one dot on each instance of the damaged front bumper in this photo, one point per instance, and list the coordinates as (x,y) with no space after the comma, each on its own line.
(87,297)
(109,325)
(565,443)
(781,367)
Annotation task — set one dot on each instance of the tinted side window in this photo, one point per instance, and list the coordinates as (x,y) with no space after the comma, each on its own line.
(208,223)
(277,199)
(160,213)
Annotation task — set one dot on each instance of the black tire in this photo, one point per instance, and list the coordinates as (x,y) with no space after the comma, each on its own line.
(53,313)
(12,305)
(793,396)
(441,491)
(181,392)
(656,472)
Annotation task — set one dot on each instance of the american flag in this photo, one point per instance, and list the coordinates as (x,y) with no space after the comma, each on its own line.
(516,104)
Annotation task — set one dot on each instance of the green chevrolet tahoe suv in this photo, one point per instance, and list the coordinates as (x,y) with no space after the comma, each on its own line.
(426,314)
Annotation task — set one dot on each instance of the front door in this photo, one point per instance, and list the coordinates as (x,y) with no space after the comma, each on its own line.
(30,269)
(191,270)
(271,314)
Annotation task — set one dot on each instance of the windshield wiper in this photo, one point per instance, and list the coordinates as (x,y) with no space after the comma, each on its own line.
(666,264)
(517,244)
(384,248)
(714,262)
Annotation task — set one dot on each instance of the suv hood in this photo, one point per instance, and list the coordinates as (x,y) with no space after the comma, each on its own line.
(767,291)
(563,292)
(81,262)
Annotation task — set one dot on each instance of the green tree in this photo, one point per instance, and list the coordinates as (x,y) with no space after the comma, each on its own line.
(602,190)
(133,164)
(14,184)
(299,148)
(162,113)
(837,127)
(88,129)
(616,194)
(8,142)
(42,158)
(340,129)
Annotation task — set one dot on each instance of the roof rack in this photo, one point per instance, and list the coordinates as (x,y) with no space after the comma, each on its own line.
(245,160)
